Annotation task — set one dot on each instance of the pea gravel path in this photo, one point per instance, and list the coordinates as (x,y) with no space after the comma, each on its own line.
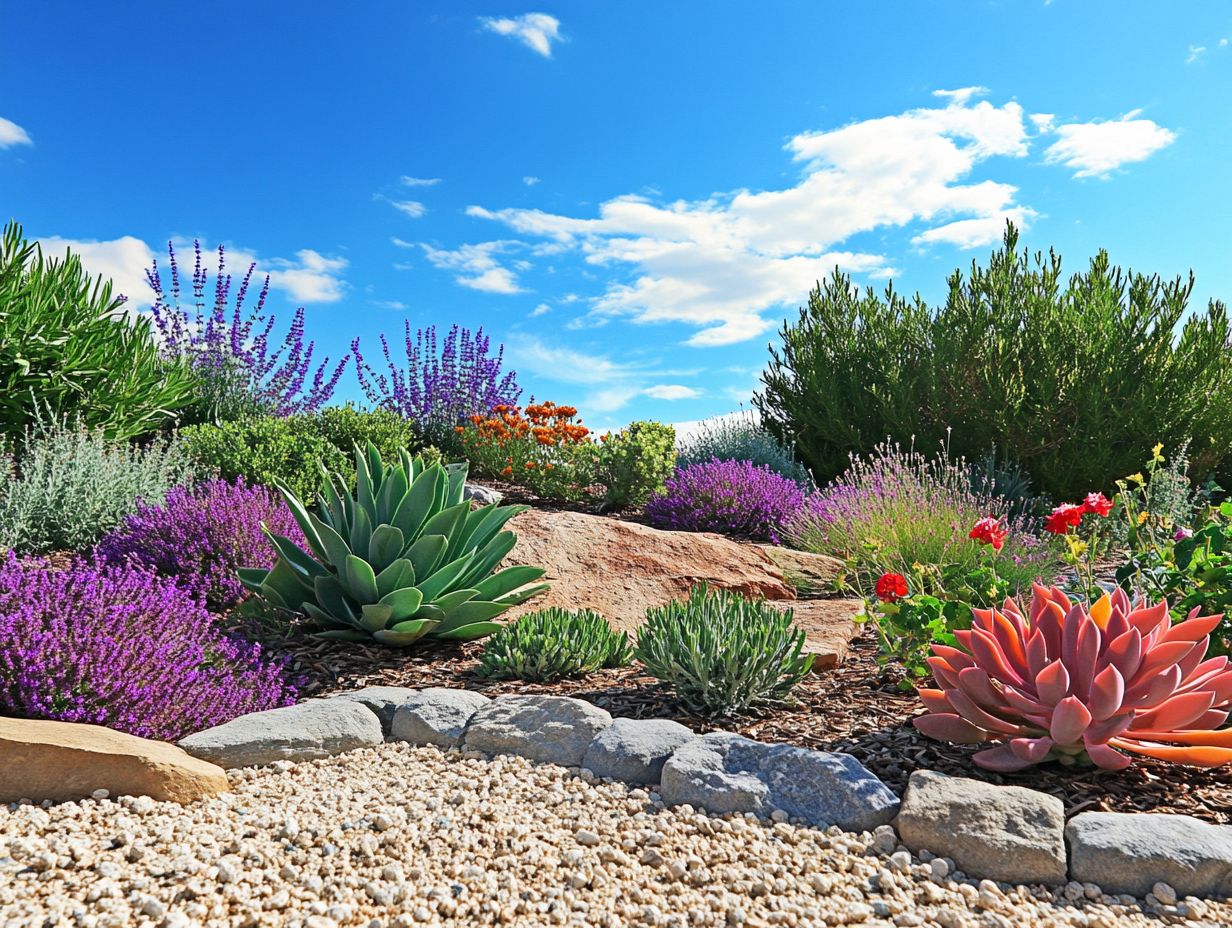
(398,837)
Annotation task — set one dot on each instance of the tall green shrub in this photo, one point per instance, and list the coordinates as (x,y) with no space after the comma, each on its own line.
(1075,379)
(68,349)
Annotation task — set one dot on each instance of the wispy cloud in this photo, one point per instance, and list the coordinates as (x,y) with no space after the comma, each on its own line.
(477,264)
(419,181)
(671,391)
(1195,52)
(541,310)
(12,134)
(1096,149)
(537,31)
(530,180)
(412,208)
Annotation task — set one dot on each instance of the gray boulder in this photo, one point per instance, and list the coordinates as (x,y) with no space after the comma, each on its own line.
(723,772)
(383,700)
(1129,852)
(436,715)
(547,729)
(1005,833)
(484,496)
(310,730)
(634,750)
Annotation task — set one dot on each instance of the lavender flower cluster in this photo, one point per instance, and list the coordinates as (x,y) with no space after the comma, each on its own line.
(440,389)
(733,497)
(232,350)
(125,648)
(201,535)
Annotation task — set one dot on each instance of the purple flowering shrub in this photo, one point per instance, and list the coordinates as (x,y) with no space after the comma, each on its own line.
(440,389)
(899,508)
(231,351)
(125,648)
(201,535)
(733,497)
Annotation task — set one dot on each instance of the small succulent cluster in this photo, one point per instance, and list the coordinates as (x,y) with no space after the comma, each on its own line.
(732,497)
(123,647)
(722,653)
(552,644)
(1075,685)
(201,535)
(403,558)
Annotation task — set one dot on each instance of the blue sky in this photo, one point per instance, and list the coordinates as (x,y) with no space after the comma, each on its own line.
(631,196)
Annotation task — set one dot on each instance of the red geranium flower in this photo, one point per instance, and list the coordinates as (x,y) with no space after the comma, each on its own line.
(1063,517)
(990,531)
(1097,503)
(891,587)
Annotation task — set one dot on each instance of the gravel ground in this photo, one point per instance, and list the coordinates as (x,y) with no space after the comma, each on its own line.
(398,837)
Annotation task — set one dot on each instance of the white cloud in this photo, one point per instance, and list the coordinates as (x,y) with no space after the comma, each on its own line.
(1195,52)
(412,208)
(477,265)
(390,304)
(671,391)
(607,385)
(1223,43)
(12,134)
(419,181)
(530,181)
(537,31)
(1095,149)
(308,278)
(541,310)
(962,95)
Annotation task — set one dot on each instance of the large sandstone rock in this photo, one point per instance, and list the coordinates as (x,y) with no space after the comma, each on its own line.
(1005,833)
(436,715)
(547,729)
(804,570)
(635,750)
(621,569)
(1129,852)
(62,761)
(308,731)
(724,772)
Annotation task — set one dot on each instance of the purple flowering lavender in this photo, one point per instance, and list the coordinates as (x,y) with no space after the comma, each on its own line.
(439,390)
(201,535)
(733,497)
(231,349)
(125,648)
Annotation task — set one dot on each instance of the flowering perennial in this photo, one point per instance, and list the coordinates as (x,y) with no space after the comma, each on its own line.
(733,497)
(545,448)
(124,648)
(232,350)
(1065,683)
(990,530)
(201,536)
(891,587)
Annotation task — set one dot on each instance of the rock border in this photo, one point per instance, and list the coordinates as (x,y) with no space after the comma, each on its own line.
(962,828)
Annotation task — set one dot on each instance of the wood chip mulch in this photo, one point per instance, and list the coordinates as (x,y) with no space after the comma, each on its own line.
(853,708)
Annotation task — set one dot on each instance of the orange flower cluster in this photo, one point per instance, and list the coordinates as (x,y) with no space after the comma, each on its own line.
(551,425)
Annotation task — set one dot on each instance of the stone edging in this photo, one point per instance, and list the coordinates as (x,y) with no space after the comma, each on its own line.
(964,827)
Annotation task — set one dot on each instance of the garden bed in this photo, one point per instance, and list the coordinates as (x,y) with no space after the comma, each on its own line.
(851,708)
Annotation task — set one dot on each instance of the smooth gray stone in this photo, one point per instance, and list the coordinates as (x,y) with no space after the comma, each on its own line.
(436,715)
(383,700)
(484,496)
(723,772)
(314,729)
(1129,852)
(635,750)
(547,729)
(1005,833)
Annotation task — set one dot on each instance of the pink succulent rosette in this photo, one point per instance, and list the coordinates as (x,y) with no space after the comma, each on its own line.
(1070,684)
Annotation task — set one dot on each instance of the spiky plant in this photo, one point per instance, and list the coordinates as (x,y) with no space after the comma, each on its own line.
(1082,686)
(553,644)
(403,558)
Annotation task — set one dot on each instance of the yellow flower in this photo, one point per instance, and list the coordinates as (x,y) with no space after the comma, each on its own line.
(1077,547)
(1136,478)
(1142,517)
(1156,451)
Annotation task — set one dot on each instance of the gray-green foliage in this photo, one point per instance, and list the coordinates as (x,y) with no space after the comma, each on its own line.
(741,438)
(1075,379)
(552,644)
(68,485)
(68,348)
(403,558)
(722,653)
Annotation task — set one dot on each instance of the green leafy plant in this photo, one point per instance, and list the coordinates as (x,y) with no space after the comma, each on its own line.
(344,427)
(403,558)
(1069,378)
(553,644)
(741,437)
(634,463)
(722,653)
(68,349)
(69,484)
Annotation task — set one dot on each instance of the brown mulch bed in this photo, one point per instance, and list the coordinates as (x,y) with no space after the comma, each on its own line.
(852,708)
